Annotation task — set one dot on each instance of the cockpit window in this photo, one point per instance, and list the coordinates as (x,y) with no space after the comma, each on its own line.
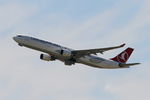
(19,35)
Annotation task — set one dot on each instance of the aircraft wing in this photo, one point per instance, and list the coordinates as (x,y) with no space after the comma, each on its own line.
(81,53)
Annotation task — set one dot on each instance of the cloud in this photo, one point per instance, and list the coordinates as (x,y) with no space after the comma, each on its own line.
(140,20)
(134,85)
(13,14)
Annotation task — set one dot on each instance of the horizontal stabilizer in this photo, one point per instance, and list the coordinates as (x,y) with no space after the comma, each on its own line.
(127,65)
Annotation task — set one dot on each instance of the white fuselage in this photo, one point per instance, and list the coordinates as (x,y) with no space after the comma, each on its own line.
(55,50)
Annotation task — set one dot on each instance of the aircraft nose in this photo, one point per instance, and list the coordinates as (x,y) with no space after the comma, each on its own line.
(15,38)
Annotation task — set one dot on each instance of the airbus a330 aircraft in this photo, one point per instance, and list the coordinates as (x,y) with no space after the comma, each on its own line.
(70,57)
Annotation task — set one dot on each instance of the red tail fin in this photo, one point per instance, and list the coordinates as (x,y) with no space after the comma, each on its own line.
(123,56)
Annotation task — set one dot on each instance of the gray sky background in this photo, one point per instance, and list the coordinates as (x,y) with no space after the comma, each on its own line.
(77,24)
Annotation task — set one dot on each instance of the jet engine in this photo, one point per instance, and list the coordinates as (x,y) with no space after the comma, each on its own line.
(47,57)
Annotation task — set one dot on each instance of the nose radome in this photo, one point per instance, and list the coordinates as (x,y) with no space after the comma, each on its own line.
(14,38)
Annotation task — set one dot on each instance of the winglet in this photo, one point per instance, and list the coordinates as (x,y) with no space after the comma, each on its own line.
(122,45)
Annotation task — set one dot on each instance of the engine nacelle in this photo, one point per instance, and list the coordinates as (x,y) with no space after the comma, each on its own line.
(47,57)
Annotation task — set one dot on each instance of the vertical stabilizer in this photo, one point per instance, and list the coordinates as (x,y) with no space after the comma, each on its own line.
(123,56)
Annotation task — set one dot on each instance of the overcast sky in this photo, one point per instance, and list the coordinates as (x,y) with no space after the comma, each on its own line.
(78,24)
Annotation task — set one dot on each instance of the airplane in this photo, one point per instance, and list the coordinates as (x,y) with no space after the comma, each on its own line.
(69,56)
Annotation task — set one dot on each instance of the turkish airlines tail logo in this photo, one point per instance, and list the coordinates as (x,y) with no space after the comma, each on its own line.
(124,56)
